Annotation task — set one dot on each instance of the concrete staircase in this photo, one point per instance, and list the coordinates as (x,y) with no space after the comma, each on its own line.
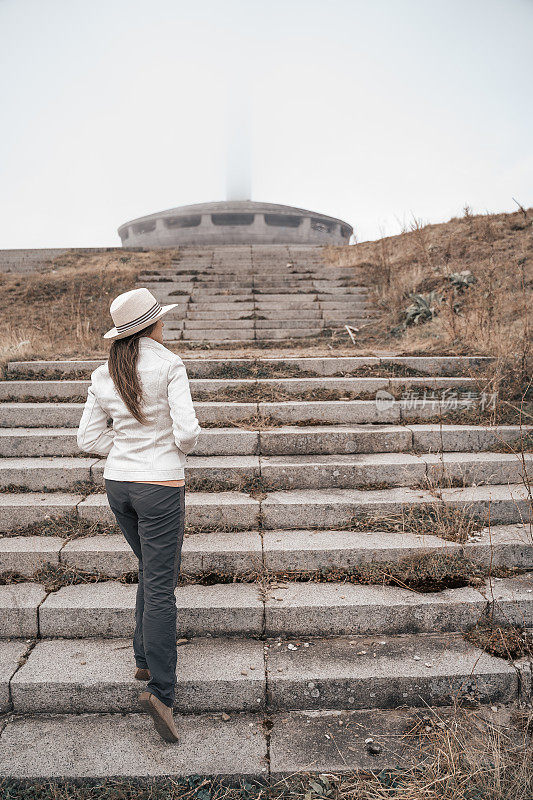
(257,293)
(275,674)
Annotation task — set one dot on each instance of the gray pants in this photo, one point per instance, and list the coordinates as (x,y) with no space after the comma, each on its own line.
(152,520)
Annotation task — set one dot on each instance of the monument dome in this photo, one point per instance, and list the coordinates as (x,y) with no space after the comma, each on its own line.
(234,222)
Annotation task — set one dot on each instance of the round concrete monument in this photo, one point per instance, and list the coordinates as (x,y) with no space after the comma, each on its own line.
(234,222)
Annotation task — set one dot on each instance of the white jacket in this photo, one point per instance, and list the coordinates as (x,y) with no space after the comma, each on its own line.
(152,452)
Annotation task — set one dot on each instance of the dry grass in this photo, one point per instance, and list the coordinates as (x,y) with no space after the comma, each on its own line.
(423,572)
(491,318)
(65,527)
(66,307)
(432,518)
(503,641)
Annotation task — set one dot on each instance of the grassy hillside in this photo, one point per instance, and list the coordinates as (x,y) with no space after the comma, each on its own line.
(63,312)
(459,287)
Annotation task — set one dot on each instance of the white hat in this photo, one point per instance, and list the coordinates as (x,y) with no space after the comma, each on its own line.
(134,310)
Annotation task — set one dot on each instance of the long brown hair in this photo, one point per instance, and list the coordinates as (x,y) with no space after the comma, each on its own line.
(122,363)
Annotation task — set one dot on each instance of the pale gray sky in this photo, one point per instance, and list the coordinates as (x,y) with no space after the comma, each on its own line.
(370,110)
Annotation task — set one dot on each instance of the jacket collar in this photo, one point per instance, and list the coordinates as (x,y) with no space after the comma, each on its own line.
(146,341)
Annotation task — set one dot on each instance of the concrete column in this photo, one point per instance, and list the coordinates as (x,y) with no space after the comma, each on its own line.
(259,225)
(304,231)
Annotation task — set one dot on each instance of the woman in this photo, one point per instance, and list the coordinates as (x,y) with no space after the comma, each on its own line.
(143,388)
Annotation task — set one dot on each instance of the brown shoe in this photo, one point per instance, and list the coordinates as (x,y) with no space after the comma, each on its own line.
(161,714)
(142,674)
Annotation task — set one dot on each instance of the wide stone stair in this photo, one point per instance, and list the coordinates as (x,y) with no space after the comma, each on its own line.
(236,294)
(326,466)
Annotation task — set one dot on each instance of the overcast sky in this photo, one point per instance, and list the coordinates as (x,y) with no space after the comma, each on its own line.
(369,110)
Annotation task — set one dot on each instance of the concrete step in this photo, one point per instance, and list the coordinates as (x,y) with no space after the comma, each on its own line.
(385,438)
(311,508)
(64,415)
(223,305)
(298,508)
(356,411)
(241,553)
(96,675)
(220,334)
(303,314)
(60,415)
(329,365)
(287,440)
(224,510)
(214,325)
(342,471)
(389,672)
(88,676)
(238,313)
(282,324)
(263,303)
(15,390)
(287,333)
(235,553)
(203,297)
(106,609)
(33,442)
(307,551)
(123,746)
(390,469)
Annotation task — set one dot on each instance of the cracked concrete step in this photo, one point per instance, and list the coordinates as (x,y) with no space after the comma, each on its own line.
(228,553)
(287,440)
(222,510)
(68,415)
(32,442)
(106,609)
(246,552)
(19,604)
(11,655)
(96,675)
(298,508)
(17,390)
(308,472)
(117,745)
(410,670)
(326,365)
(306,412)
(100,746)
(311,508)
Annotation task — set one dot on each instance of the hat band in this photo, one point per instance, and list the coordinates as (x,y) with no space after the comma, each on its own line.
(146,317)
